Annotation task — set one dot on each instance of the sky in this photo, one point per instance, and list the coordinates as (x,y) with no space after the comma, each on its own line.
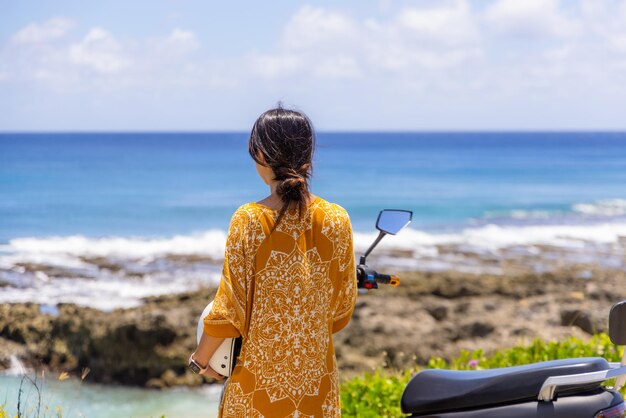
(198,65)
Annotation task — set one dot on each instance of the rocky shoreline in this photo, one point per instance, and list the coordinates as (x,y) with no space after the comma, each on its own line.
(429,314)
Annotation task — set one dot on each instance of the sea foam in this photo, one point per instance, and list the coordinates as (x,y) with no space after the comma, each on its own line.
(110,272)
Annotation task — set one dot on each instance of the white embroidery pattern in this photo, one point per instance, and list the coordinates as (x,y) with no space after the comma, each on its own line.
(290,225)
(289,331)
(336,227)
(238,404)
(245,235)
(331,408)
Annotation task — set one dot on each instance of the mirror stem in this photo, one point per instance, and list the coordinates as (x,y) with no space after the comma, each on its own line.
(380,236)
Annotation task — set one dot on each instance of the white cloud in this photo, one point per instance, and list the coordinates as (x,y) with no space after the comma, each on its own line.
(101,62)
(182,40)
(51,29)
(338,66)
(447,24)
(606,22)
(531,19)
(424,39)
(100,52)
(315,42)
(333,45)
(273,66)
(313,27)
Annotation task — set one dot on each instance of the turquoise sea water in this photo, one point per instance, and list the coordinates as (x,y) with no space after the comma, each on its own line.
(163,184)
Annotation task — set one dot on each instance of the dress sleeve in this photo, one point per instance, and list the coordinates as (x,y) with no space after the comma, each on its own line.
(228,314)
(346,298)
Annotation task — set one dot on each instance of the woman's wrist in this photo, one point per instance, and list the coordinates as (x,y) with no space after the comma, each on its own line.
(207,371)
(202,364)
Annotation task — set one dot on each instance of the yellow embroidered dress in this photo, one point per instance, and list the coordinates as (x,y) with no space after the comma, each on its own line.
(285,294)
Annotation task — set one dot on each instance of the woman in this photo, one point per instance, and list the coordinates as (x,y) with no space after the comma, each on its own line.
(288,283)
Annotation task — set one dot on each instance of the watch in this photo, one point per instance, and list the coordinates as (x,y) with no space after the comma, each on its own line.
(194,366)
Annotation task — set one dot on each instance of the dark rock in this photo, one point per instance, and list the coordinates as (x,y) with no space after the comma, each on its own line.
(134,346)
(475,329)
(491,306)
(522,331)
(455,292)
(439,312)
(582,320)
(462,307)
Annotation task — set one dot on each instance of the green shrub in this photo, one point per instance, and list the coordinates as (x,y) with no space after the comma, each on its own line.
(378,394)
(3,411)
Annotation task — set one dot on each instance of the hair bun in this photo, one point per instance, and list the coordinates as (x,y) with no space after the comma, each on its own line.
(293,182)
(296,180)
(291,187)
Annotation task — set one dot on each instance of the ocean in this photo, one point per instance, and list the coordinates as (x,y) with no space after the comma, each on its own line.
(127,215)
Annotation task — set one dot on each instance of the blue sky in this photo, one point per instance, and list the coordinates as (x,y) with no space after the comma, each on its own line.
(350,65)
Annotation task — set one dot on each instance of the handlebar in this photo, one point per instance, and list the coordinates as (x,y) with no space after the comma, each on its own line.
(369,279)
(391,280)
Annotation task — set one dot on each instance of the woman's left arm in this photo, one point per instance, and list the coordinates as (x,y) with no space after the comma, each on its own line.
(205,350)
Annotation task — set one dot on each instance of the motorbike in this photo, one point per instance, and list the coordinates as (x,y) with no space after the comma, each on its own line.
(571,388)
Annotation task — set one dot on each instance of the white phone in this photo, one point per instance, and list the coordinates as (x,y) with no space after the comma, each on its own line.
(224,357)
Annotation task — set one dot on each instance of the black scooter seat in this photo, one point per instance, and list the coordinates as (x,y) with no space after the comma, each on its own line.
(449,390)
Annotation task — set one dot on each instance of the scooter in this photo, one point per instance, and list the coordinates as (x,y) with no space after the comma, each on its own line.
(568,388)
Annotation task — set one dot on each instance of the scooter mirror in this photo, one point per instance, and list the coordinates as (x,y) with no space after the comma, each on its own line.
(617,323)
(391,221)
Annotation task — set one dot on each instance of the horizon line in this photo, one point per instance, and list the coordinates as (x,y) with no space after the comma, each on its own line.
(335,131)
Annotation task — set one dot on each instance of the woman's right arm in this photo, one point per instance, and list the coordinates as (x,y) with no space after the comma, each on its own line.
(346,299)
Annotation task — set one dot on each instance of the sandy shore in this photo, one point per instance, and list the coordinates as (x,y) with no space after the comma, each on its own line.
(429,314)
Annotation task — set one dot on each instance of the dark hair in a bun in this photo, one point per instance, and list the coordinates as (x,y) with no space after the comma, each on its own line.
(286,140)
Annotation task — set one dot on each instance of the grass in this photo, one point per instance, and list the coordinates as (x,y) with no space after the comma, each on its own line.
(26,408)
